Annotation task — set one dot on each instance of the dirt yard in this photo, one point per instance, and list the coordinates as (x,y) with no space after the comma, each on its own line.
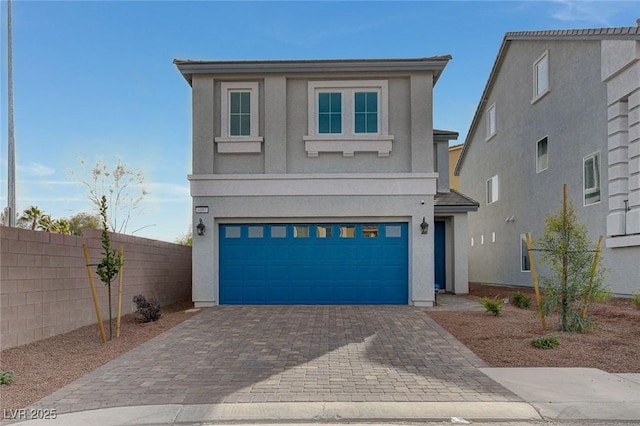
(505,341)
(41,368)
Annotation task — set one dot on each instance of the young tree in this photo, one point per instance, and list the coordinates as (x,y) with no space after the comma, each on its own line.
(123,188)
(573,281)
(186,239)
(111,262)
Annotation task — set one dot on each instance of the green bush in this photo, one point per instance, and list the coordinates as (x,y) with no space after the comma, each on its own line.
(636,300)
(521,301)
(6,377)
(545,342)
(494,305)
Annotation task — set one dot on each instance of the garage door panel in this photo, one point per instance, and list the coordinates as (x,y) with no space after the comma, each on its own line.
(314,264)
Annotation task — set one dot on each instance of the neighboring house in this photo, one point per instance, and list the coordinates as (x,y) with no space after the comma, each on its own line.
(314,179)
(454,154)
(559,107)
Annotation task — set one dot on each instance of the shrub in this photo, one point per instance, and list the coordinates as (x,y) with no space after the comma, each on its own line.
(521,301)
(148,310)
(6,377)
(492,305)
(636,300)
(545,342)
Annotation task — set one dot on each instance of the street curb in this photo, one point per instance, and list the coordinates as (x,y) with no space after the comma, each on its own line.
(296,412)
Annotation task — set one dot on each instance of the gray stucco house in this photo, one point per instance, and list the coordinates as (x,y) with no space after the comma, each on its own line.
(318,182)
(558,107)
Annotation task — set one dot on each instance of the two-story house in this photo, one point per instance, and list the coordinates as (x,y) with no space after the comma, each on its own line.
(559,107)
(316,182)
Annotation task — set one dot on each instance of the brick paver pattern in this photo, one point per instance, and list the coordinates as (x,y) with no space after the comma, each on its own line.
(243,354)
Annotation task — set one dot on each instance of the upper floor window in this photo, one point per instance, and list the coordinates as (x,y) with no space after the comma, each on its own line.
(239,113)
(348,116)
(491,121)
(492,190)
(541,76)
(330,112)
(366,112)
(591,178)
(239,118)
(542,155)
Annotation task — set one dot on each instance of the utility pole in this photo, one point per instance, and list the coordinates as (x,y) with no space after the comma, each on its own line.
(11,156)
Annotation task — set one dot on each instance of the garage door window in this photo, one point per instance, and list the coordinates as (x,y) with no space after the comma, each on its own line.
(394,231)
(232,232)
(256,232)
(301,231)
(370,231)
(347,231)
(278,232)
(323,231)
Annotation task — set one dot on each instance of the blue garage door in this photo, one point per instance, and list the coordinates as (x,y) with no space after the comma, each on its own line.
(314,263)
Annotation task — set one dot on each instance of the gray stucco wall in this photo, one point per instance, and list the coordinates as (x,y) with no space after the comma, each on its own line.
(573,115)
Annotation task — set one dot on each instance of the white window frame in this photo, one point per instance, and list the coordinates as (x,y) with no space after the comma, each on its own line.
(522,253)
(538,90)
(491,121)
(539,167)
(348,142)
(494,190)
(239,144)
(598,187)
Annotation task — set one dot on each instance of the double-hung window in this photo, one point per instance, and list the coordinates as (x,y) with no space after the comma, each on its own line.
(541,76)
(591,178)
(348,117)
(239,118)
(492,190)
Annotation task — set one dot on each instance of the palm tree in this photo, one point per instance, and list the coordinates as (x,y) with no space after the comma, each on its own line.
(46,223)
(31,218)
(61,226)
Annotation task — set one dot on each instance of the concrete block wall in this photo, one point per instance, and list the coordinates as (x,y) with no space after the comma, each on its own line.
(44,285)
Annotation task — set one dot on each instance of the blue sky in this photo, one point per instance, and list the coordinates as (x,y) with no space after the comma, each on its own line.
(95,80)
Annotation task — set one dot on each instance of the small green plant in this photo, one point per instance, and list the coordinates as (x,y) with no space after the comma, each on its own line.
(494,305)
(521,300)
(636,299)
(6,377)
(149,310)
(545,342)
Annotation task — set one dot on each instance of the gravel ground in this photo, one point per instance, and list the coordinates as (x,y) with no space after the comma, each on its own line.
(42,367)
(505,341)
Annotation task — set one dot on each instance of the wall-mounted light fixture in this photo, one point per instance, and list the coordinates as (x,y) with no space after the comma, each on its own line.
(200,228)
(424,226)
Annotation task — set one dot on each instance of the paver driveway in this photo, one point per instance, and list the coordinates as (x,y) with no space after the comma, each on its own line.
(237,354)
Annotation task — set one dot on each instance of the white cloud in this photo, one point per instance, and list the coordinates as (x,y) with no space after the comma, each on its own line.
(35,169)
(598,12)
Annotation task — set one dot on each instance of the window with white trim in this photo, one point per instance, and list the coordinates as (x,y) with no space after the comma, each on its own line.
(541,76)
(491,121)
(591,178)
(542,155)
(239,118)
(348,117)
(525,264)
(492,189)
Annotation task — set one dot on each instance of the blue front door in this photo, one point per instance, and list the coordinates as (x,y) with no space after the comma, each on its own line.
(352,263)
(439,255)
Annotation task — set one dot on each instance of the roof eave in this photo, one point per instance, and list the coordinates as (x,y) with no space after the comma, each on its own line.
(435,64)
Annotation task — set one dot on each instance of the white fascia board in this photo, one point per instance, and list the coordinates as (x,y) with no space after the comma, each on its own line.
(373,184)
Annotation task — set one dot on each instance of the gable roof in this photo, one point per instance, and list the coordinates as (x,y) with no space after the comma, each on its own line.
(435,64)
(620,33)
